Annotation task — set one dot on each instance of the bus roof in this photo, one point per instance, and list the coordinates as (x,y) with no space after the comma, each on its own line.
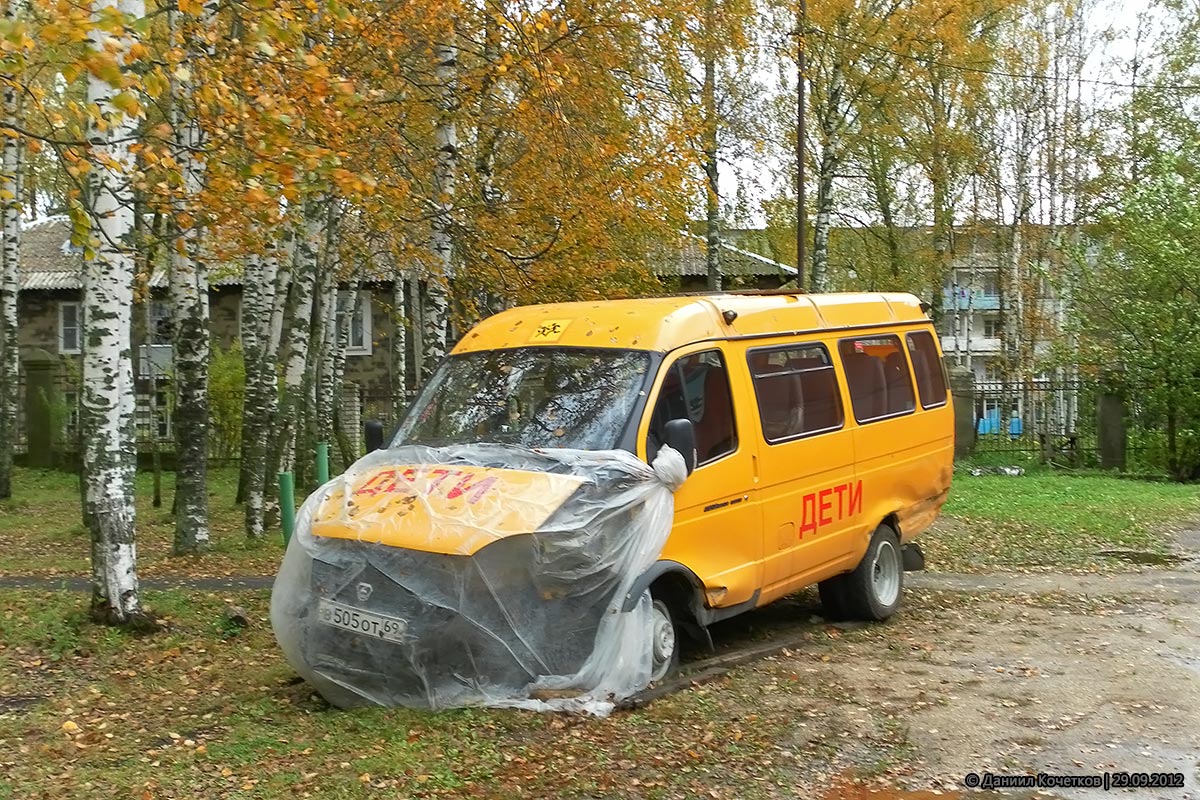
(665,323)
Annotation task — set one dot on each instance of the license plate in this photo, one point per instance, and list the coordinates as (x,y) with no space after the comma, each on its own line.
(368,623)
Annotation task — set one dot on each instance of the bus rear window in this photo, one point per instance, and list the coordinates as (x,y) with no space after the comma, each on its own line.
(927,366)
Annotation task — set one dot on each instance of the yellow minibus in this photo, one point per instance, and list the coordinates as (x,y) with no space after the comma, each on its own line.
(817,430)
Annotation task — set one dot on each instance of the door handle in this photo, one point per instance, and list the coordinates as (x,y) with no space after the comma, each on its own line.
(754,461)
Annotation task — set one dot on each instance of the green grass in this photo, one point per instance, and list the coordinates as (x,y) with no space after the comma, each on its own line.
(41,532)
(1041,520)
(192,713)
(1046,519)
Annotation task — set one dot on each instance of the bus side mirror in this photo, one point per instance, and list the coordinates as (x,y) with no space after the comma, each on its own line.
(680,435)
(373,435)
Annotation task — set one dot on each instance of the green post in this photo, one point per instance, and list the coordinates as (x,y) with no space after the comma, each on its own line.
(287,505)
(322,463)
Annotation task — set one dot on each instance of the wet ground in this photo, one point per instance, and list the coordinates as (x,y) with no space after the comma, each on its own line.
(1012,675)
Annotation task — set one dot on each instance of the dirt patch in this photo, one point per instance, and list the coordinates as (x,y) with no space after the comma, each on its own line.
(1025,688)
(1062,681)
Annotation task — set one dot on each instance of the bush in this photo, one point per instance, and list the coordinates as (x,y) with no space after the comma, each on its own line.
(226,390)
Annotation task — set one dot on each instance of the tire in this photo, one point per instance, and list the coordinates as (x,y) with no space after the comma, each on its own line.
(873,590)
(833,597)
(664,642)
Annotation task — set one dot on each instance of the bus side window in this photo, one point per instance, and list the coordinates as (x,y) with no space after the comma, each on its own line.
(696,388)
(877,376)
(796,389)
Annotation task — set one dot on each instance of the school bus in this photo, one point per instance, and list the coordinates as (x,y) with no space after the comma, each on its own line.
(816,428)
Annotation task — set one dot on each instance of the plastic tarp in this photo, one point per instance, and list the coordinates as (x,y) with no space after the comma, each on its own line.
(477,575)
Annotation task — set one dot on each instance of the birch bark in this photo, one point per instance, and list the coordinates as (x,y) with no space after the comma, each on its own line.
(190,314)
(107,407)
(341,334)
(290,418)
(399,348)
(832,122)
(265,289)
(318,374)
(437,306)
(10,225)
(10,203)
(712,194)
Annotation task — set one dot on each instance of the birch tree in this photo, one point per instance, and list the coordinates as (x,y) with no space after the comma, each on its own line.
(290,421)
(850,74)
(712,186)
(107,407)
(399,346)
(437,305)
(327,377)
(11,170)
(264,294)
(189,301)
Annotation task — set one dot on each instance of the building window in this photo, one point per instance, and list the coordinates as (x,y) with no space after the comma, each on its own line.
(359,343)
(154,421)
(70,410)
(696,387)
(797,391)
(878,377)
(70,328)
(928,367)
(991,327)
(160,322)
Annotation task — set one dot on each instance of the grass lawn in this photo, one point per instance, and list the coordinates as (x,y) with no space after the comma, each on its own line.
(1041,520)
(1051,520)
(41,532)
(203,710)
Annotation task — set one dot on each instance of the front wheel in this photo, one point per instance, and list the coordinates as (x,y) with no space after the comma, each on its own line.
(872,591)
(664,642)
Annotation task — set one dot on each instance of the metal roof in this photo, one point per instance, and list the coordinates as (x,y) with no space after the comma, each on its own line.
(690,260)
(49,262)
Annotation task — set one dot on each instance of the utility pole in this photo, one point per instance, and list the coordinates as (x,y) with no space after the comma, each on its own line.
(801,69)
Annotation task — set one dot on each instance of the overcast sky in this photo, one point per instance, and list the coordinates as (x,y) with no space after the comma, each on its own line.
(1111,26)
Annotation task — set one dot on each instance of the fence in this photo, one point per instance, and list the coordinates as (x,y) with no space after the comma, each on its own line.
(1054,419)
(1069,423)
(48,405)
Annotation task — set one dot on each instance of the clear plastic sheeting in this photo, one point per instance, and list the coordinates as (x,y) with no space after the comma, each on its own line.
(477,575)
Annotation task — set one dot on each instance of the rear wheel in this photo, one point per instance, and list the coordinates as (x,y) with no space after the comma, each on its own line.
(872,591)
(664,641)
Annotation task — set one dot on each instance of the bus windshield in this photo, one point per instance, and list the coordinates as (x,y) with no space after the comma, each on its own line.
(578,398)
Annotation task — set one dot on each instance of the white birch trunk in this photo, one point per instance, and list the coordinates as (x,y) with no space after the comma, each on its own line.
(416,307)
(10,227)
(323,343)
(399,349)
(253,309)
(712,194)
(831,133)
(263,297)
(107,407)
(823,221)
(190,317)
(437,310)
(337,367)
(299,318)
